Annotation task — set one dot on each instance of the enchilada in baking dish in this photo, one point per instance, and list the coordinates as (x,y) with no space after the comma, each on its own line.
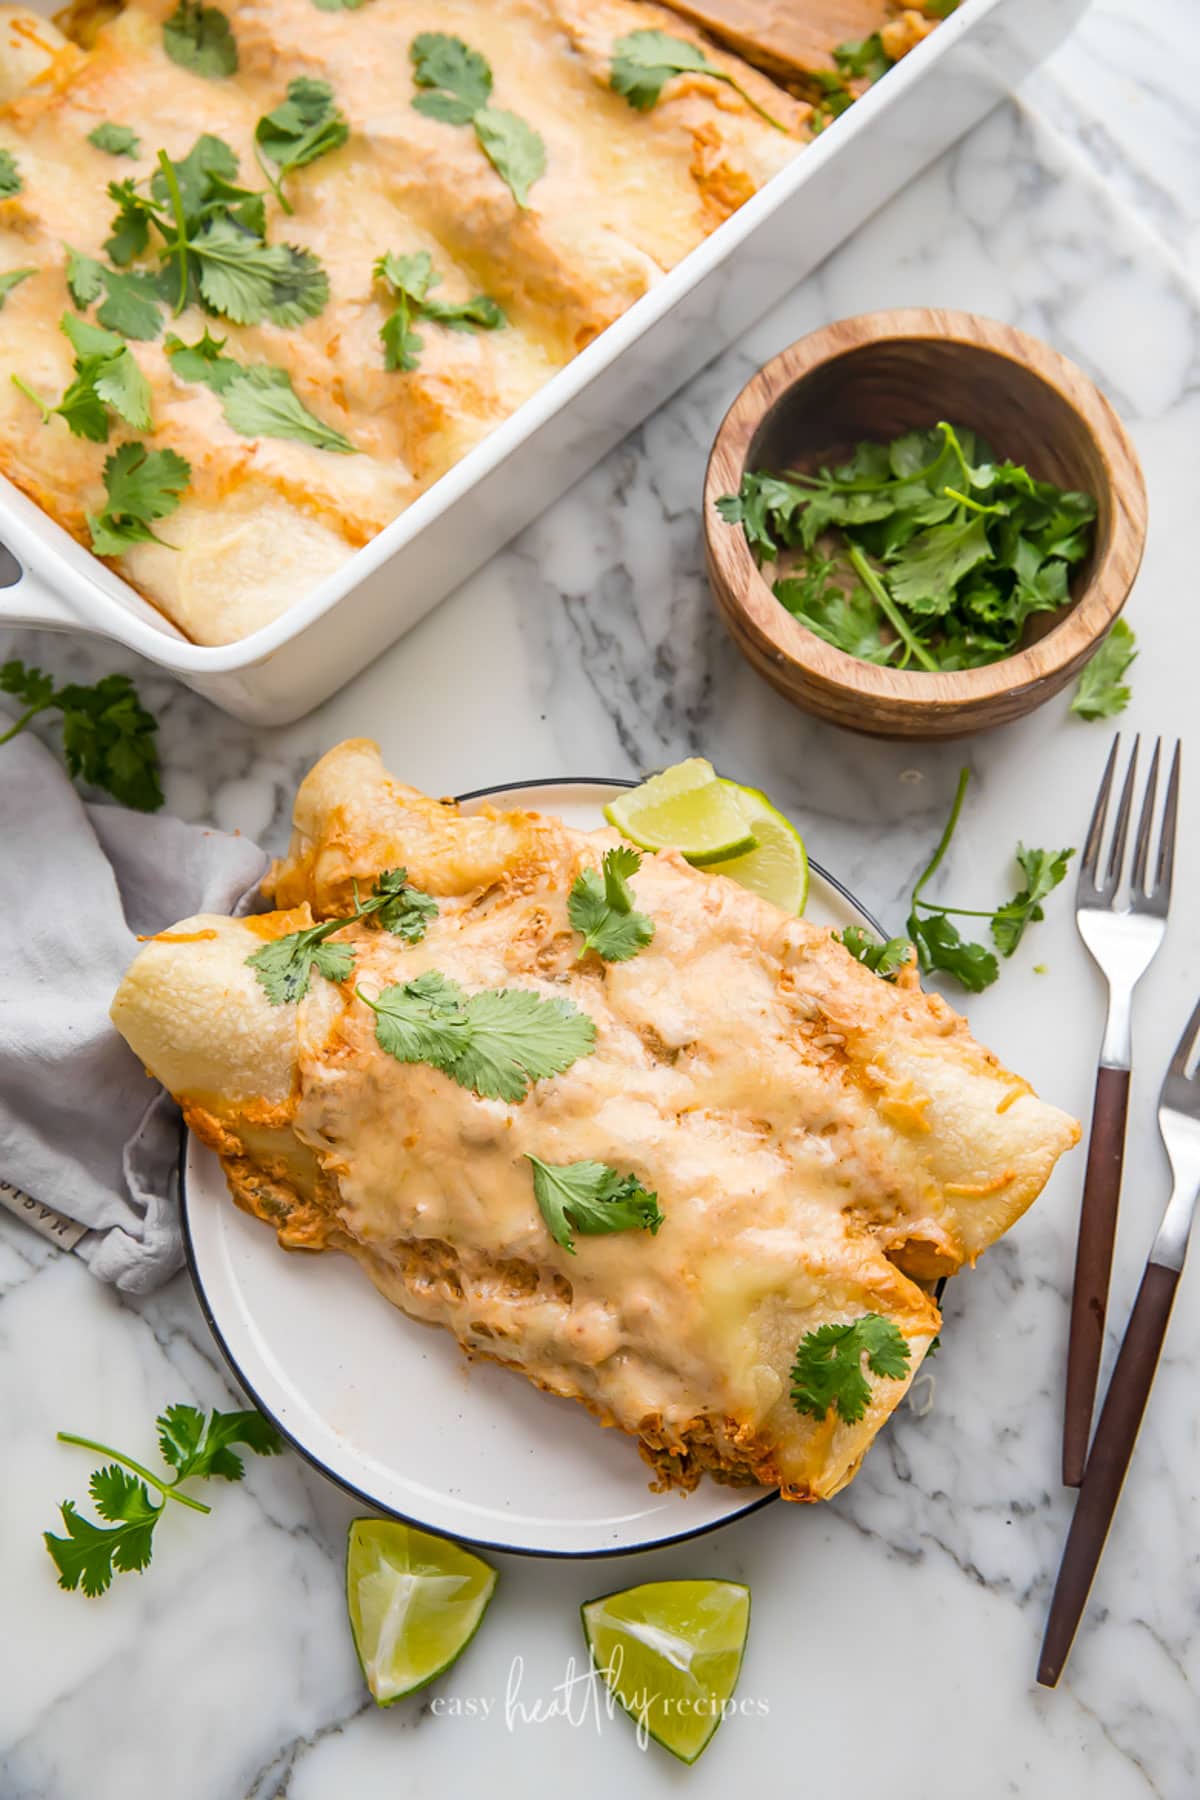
(270,267)
(687,1185)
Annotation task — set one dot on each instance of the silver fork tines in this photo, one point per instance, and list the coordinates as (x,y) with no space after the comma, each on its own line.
(1122,923)
(1179,1122)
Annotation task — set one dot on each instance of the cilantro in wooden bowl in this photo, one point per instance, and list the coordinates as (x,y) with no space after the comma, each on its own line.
(921,524)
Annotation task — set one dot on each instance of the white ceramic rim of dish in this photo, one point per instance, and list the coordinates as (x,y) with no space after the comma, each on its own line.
(349,1469)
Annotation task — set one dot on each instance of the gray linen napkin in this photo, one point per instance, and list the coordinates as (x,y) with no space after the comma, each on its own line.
(82,1129)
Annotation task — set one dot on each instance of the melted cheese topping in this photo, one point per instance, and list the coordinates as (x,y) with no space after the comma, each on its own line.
(819,1140)
(624,197)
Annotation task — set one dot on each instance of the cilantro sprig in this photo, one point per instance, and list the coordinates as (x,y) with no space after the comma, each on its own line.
(285,966)
(108,736)
(936,939)
(305,126)
(409,278)
(828,1370)
(497,1042)
(644,61)
(1102,693)
(209,234)
(10,175)
(592,1199)
(108,377)
(458,81)
(926,552)
(194,1446)
(600,906)
(142,486)
(258,399)
(938,942)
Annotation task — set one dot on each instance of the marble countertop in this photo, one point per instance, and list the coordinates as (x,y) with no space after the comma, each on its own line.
(895,1630)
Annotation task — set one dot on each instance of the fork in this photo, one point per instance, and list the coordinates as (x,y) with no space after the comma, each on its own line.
(1129,1389)
(1123,941)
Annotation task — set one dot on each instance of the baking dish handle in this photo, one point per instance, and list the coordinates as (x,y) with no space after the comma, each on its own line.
(25,599)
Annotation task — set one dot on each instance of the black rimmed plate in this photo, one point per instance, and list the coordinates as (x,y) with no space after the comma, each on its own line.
(392,1411)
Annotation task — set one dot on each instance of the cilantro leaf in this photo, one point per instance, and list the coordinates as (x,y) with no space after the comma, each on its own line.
(119,1495)
(460,77)
(600,906)
(1101,693)
(13,278)
(402,909)
(460,84)
(261,402)
(85,277)
(200,38)
(108,736)
(941,946)
(1043,870)
(422,1021)
(516,1038)
(925,573)
(130,303)
(257,399)
(143,485)
(481,313)
(883,959)
(644,61)
(117,140)
(30,686)
(591,1198)
(410,278)
(10,175)
(87,1556)
(339,5)
(306,125)
(202,361)
(249,281)
(515,150)
(195,1445)
(496,1042)
(285,965)
(828,1369)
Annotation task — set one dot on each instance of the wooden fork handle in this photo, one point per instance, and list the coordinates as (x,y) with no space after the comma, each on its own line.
(1116,1435)
(1093,1265)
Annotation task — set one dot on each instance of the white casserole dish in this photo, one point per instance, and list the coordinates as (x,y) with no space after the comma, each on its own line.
(925,103)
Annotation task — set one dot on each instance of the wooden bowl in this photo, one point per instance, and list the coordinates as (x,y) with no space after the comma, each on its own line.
(874,377)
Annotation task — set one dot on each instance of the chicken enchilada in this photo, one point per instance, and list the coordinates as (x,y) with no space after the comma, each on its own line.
(694,1169)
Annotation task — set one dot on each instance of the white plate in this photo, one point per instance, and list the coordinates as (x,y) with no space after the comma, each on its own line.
(392,1411)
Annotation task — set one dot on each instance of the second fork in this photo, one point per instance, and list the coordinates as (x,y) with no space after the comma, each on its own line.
(1123,938)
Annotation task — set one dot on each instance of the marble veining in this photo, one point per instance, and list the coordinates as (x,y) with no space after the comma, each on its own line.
(895,1631)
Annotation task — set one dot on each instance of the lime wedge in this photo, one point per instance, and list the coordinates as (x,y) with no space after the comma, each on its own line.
(686,808)
(671,1652)
(777,868)
(415,1603)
